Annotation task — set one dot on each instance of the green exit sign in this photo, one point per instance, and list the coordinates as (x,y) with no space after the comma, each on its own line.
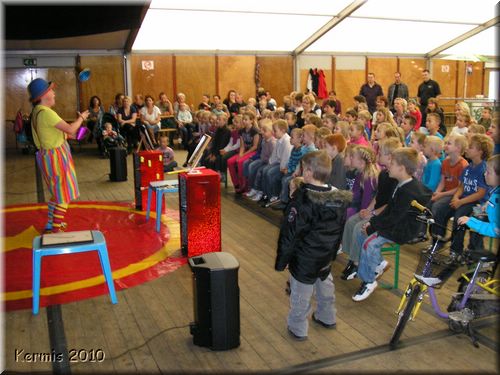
(29,62)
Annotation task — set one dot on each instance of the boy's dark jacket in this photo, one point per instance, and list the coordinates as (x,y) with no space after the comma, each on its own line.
(397,221)
(312,231)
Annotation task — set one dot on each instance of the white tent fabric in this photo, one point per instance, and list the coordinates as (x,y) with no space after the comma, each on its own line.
(375,27)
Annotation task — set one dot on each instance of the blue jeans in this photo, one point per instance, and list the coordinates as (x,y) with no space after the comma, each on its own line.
(352,228)
(300,303)
(285,188)
(271,177)
(370,256)
(253,168)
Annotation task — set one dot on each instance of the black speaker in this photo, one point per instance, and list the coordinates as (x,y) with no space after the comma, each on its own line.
(137,181)
(216,301)
(118,164)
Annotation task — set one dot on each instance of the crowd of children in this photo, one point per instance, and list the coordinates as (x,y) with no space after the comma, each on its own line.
(345,181)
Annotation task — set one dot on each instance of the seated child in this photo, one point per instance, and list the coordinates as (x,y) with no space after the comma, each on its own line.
(433,147)
(308,140)
(366,118)
(462,124)
(357,134)
(350,171)
(432,124)
(342,127)
(321,134)
(220,139)
(471,190)
(308,241)
(417,143)
(490,228)
(249,141)
(256,168)
(451,170)
(291,120)
(396,223)
(232,147)
(110,137)
(296,153)
(385,186)
(335,145)
(271,174)
(485,120)
(168,154)
(330,121)
(365,183)
(408,125)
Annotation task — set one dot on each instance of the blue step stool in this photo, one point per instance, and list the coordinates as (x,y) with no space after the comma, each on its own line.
(97,243)
(160,188)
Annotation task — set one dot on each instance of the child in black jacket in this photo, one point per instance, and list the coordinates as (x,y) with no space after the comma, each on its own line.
(396,223)
(309,239)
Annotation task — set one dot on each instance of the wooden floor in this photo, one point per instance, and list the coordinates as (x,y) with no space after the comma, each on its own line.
(148,330)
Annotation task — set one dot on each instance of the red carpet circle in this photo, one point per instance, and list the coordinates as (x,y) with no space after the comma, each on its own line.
(136,251)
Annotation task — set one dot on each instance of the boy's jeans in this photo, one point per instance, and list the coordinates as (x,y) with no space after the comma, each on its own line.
(300,303)
(371,256)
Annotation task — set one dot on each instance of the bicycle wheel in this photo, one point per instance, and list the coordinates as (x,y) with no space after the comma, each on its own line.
(403,319)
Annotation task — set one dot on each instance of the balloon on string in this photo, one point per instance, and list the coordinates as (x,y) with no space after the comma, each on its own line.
(84,75)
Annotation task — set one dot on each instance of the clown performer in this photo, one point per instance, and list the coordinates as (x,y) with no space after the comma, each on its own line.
(54,156)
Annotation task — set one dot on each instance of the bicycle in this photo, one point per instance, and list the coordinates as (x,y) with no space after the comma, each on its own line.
(477,294)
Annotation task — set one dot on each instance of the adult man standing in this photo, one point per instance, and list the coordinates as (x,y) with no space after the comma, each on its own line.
(427,89)
(397,90)
(370,90)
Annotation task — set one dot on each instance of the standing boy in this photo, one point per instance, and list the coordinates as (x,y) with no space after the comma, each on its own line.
(309,238)
(396,223)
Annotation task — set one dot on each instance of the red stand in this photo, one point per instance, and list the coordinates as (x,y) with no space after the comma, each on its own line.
(199,207)
(148,167)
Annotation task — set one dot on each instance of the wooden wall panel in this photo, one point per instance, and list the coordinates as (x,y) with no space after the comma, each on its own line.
(276,75)
(195,76)
(152,82)
(444,72)
(474,80)
(237,73)
(66,92)
(384,69)
(348,83)
(106,79)
(486,84)
(16,94)
(411,73)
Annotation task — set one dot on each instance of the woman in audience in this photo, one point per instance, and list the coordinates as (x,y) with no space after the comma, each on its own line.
(95,116)
(151,116)
(126,118)
(117,104)
(308,106)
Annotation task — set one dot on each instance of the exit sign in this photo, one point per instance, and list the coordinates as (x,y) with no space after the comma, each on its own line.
(29,62)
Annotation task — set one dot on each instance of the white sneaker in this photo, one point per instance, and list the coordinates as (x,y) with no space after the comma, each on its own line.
(429,281)
(251,193)
(381,268)
(258,196)
(364,291)
(339,251)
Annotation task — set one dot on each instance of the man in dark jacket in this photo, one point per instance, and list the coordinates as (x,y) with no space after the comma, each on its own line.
(309,239)
(370,90)
(396,223)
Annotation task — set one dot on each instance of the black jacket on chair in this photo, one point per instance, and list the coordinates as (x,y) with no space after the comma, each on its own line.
(312,231)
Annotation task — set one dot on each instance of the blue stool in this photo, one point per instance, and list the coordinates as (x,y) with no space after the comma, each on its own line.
(98,244)
(159,188)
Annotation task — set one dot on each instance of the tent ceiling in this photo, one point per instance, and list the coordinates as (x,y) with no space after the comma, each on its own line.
(259,26)
(376,27)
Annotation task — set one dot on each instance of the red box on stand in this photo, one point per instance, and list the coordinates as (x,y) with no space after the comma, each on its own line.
(148,167)
(199,207)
